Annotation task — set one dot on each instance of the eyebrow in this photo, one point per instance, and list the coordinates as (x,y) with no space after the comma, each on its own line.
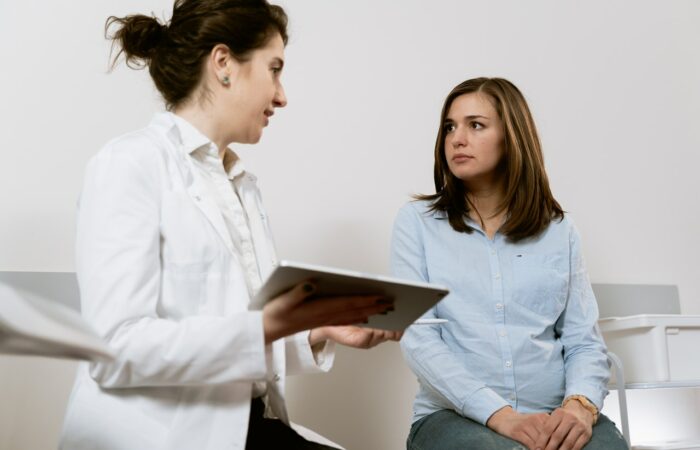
(470,117)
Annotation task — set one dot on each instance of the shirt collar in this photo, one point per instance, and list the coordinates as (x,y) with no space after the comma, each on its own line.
(192,140)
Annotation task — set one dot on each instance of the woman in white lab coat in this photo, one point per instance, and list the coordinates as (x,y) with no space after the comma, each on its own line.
(173,241)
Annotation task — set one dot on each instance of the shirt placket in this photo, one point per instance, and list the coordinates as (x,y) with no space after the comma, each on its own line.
(236,216)
(499,310)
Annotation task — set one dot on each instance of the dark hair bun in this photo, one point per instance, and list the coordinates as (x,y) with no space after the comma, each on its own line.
(138,36)
(174,53)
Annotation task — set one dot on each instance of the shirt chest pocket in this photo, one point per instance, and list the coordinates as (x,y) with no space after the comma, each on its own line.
(540,283)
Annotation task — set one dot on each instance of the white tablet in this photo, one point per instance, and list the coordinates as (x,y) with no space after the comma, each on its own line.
(411,299)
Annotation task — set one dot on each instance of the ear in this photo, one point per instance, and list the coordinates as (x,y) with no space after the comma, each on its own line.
(222,63)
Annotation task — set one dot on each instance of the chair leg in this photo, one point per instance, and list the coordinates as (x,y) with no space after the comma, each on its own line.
(621,394)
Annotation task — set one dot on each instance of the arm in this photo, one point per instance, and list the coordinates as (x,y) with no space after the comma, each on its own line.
(586,365)
(118,265)
(425,351)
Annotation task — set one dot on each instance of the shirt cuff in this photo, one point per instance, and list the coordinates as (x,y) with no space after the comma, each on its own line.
(481,405)
(301,358)
(592,393)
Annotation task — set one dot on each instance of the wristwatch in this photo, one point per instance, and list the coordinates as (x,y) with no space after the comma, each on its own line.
(583,400)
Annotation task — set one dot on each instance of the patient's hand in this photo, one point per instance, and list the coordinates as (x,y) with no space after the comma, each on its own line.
(524,428)
(353,336)
(568,428)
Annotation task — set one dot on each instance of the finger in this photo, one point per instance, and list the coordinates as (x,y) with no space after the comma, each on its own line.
(396,335)
(329,312)
(558,435)
(582,441)
(300,292)
(571,438)
(532,433)
(524,439)
(365,304)
(551,424)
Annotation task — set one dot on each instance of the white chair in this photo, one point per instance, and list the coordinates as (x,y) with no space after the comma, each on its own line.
(622,300)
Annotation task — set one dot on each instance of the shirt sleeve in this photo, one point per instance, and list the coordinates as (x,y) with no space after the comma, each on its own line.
(302,358)
(436,367)
(119,271)
(586,364)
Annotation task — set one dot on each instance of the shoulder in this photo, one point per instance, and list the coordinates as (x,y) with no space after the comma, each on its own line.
(143,150)
(566,223)
(565,231)
(418,211)
(141,146)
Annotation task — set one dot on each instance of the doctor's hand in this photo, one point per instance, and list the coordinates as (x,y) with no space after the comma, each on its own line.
(353,336)
(524,428)
(294,311)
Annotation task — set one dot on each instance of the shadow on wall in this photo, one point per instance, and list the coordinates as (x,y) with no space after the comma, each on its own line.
(365,402)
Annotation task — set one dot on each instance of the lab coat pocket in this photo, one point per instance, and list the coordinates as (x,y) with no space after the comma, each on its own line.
(540,283)
(184,288)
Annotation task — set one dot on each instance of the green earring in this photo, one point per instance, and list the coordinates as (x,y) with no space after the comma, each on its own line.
(225,80)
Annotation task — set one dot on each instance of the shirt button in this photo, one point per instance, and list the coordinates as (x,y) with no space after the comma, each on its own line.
(508,364)
(493,252)
(502,334)
(512,397)
(498,276)
(276,377)
(499,306)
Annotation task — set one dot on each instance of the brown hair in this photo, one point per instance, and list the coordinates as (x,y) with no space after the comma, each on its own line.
(174,52)
(528,199)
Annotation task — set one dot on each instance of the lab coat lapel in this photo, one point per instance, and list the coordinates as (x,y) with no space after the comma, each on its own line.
(207,205)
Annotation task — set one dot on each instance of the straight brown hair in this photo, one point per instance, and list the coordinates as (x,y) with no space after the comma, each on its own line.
(528,199)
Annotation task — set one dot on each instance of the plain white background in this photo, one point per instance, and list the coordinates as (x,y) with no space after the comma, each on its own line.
(613,86)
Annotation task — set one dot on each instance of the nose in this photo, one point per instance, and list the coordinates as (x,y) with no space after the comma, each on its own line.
(280,99)
(458,138)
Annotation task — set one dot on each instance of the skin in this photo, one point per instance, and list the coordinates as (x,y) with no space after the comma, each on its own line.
(236,112)
(474,149)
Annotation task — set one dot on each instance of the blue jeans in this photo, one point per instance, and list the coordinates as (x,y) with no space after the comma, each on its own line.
(447,430)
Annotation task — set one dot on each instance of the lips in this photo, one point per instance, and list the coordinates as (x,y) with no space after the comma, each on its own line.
(461,157)
(268,113)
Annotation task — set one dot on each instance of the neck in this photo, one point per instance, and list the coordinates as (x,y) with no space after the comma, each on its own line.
(486,197)
(206,122)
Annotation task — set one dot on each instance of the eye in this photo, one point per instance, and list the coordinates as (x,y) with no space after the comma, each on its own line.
(276,70)
(448,127)
(476,125)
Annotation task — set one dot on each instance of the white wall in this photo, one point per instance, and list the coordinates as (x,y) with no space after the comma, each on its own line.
(613,86)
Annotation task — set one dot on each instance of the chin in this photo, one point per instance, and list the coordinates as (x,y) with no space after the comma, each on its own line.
(254,138)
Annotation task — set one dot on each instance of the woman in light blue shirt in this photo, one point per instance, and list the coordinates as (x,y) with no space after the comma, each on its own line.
(520,358)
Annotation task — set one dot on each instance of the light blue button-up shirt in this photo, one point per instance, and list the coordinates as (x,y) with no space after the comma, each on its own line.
(522,318)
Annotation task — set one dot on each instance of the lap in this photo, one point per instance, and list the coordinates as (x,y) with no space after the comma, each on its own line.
(447,430)
(264,434)
(606,436)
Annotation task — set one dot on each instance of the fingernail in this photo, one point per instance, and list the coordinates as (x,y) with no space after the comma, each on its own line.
(308,287)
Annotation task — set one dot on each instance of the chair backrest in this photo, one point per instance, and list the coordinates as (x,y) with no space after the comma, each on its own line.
(59,286)
(618,300)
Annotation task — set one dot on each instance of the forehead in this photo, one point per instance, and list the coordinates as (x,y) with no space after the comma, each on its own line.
(274,48)
(472,104)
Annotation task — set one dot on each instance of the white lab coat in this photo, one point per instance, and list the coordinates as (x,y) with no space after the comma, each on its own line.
(161,282)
